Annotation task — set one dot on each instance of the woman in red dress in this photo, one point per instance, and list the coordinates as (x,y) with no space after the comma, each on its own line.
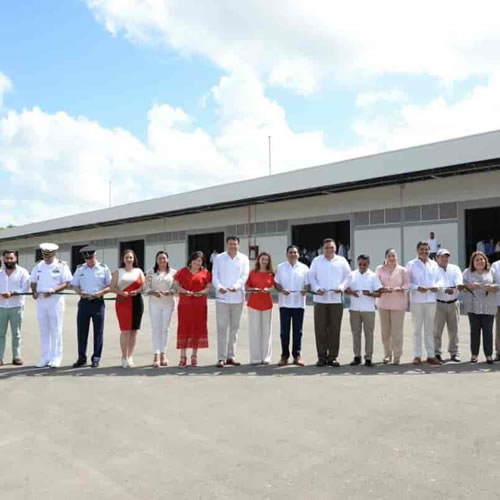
(260,310)
(193,284)
(127,283)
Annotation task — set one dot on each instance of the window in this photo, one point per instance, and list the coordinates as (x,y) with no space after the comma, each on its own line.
(448,211)
(392,215)
(430,212)
(362,218)
(271,227)
(412,214)
(377,217)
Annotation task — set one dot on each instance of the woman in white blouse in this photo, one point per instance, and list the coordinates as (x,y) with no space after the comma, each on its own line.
(159,288)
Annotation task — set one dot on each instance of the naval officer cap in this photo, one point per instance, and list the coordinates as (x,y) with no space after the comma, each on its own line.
(49,249)
(88,251)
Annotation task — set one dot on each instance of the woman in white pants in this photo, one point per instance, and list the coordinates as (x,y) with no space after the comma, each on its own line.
(260,310)
(159,287)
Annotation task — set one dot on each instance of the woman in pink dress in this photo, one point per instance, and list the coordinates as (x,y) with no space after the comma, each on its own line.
(392,305)
(127,283)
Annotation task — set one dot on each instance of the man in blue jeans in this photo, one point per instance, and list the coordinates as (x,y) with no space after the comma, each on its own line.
(291,281)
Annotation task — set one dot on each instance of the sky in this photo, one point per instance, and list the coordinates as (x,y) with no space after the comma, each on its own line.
(164,96)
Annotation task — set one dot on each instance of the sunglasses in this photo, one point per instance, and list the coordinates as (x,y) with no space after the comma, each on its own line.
(88,255)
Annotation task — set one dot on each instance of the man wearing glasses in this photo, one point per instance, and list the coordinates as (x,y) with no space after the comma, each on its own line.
(91,281)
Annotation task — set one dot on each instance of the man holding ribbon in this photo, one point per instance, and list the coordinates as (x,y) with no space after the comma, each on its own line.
(48,279)
(91,281)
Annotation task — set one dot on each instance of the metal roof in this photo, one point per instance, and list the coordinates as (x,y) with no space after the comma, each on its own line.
(452,157)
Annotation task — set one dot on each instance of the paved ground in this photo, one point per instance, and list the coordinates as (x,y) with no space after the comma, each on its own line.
(308,433)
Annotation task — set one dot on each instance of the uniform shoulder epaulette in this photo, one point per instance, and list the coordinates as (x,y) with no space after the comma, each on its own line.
(103,265)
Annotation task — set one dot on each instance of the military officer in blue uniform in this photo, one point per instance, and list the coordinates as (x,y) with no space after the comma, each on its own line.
(91,280)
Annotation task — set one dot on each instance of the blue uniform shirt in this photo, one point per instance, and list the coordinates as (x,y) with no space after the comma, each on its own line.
(92,279)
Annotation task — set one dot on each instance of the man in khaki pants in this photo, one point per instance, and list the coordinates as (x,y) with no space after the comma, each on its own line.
(326,275)
(363,286)
(447,306)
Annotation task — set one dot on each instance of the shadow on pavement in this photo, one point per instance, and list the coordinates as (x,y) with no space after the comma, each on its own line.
(7,372)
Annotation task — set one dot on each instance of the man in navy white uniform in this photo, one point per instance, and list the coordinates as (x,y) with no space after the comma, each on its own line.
(91,280)
(48,278)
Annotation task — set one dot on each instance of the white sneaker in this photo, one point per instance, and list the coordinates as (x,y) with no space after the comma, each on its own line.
(42,363)
(124,363)
(130,362)
(55,363)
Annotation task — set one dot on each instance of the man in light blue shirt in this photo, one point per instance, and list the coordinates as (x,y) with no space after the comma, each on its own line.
(91,281)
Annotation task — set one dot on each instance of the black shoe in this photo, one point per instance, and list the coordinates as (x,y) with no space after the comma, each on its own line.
(455,358)
(497,357)
(356,361)
(321,362)
(368,362)
(334,363)
(489,361)
(95,364)
(79,362)
(438,357)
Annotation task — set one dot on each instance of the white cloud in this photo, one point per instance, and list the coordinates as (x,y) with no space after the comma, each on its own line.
(478,111)
(64,163)
(5,86)
(369,98)
(296,44)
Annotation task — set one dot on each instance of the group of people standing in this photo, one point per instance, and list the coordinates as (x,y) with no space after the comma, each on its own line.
(430,286)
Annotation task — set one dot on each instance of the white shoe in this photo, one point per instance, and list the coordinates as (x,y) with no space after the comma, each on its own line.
(124,363)
(42,363)
(56,363)
(130,362)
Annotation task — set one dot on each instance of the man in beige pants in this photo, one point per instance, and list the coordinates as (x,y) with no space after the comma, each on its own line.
(447,306)
(229,275)
(363,286)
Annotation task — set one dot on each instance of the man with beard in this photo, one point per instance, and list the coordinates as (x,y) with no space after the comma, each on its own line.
(14,280)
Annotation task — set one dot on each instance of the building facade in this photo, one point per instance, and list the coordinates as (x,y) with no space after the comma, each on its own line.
(388,200)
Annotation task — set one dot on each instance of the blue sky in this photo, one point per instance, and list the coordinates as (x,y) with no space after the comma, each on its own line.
(163,96)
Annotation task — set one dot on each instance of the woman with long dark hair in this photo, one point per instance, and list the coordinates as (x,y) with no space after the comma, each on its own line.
(260,309)
(193,284)
(127,283)
(160,289)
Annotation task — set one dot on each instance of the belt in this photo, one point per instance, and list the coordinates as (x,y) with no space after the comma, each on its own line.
(96,299)
(447,301)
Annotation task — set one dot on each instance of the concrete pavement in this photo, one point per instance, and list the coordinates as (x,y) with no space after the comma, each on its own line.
(249,432)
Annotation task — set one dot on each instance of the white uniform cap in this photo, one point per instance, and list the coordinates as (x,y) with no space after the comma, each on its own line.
(49,247)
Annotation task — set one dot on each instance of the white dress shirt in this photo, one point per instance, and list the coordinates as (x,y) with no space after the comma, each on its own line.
(230,272)
(426,275)
(451,277)
(358,282)
(18,281)
(292,278)
(495,270)
(329,275)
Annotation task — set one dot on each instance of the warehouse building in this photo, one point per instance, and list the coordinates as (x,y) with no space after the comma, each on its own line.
(371,203)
